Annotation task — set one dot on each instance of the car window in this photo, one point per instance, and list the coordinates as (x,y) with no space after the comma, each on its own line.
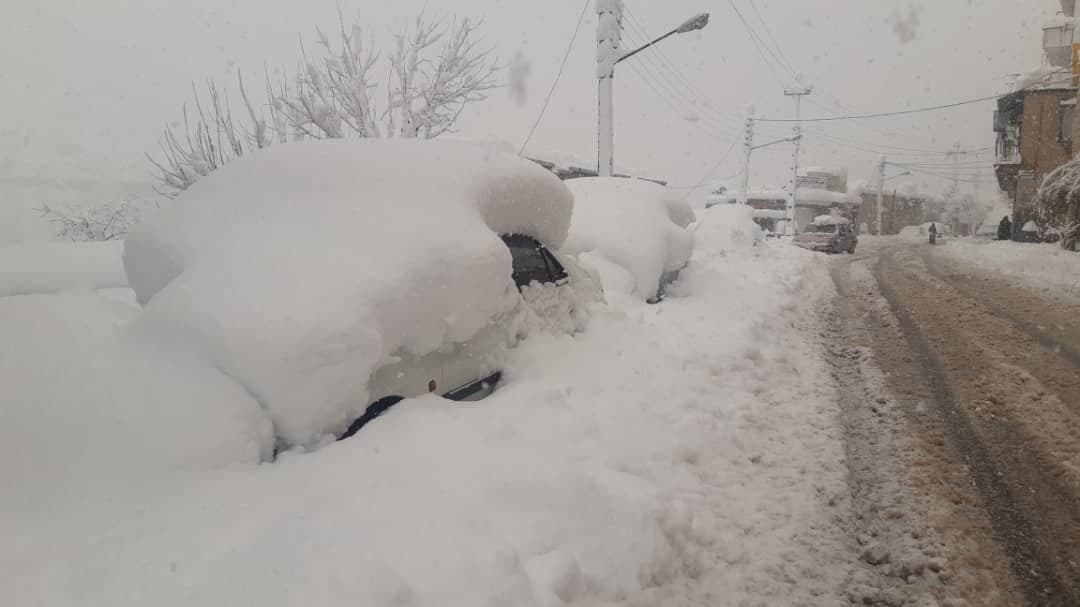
(530,262)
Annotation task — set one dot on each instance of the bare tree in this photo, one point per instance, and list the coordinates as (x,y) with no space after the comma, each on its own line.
(105,222)
(436,69)
(1057,203)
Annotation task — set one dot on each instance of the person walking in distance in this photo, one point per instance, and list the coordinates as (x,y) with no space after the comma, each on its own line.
(933,233)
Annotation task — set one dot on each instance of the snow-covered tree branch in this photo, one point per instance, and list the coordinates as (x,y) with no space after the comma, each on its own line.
(435,70)
(1057,204)
(105,222)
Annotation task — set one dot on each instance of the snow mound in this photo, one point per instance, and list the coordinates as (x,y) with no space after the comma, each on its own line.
(301,270)
(725,229)
(637,225)
(87,410)
(61,266)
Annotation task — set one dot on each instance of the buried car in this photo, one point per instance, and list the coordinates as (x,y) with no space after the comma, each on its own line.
(828,234)
(332,279)
(633,233)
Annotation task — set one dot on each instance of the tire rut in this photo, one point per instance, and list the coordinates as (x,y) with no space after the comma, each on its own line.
(1034,517)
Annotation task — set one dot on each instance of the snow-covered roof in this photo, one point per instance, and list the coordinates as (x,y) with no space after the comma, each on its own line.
(807,197)
(830,220)
(301,269)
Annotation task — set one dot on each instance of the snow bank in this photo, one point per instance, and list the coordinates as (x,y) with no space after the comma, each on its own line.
(637,225)
(1042,266)
(88,411)
(680,454)
(61,266)
(300,270)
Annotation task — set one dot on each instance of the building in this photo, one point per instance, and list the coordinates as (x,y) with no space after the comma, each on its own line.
(821,192)
(1036,125)
(901,207)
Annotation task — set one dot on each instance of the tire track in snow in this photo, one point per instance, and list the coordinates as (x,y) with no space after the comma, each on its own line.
(1039,553)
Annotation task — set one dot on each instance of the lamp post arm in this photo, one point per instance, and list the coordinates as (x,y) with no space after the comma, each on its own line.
(645,46)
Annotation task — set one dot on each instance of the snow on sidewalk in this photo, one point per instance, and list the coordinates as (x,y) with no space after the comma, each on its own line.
(684,453)
(1042,266)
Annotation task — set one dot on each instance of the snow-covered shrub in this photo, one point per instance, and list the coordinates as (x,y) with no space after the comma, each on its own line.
(434,71)
(301,270)
(108,221)
(1057,203)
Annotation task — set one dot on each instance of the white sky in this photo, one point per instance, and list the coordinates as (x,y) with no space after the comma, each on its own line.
(88,85)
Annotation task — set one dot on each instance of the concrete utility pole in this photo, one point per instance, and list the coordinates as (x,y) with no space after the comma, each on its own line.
(880,195)
(748,148)
(608,50)
(793,199)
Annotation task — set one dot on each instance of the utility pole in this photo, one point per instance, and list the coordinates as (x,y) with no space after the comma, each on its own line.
(608,53)
(793,199)
(748,148)
(880,195)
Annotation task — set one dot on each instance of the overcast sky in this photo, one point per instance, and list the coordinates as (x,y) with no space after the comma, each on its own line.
(89,84)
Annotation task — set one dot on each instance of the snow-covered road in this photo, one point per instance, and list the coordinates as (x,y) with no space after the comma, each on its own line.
(687,453)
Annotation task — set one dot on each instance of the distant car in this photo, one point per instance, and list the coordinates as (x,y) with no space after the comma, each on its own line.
(828,235)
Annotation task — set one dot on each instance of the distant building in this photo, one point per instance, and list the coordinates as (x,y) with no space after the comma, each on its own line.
(821,192)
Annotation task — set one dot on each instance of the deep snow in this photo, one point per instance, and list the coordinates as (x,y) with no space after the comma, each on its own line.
(684,453)
(61,266)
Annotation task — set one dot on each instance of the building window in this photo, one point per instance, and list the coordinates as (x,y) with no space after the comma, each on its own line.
(1065,125)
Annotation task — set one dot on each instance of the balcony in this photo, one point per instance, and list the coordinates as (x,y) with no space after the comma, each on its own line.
(1057,42)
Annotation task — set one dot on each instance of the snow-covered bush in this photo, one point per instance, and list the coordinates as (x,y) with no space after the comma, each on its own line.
(435,70)
(1057,203)
(631,232)
(108,221)
(301,270)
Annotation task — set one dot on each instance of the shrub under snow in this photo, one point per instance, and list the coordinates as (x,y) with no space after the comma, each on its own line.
(301,270)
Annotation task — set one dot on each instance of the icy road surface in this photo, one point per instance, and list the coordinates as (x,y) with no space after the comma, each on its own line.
(962,414)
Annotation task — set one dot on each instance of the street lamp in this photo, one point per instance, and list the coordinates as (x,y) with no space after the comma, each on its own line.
(609,27)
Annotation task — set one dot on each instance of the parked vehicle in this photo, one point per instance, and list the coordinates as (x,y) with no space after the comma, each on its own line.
(642,252)
(411,269)
(472,369)
(828,234)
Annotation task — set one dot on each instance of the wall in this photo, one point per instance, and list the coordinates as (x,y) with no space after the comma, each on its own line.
(1041,149)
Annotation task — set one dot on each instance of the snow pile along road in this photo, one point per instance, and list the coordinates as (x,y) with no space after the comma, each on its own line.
(1042,266)
(682,453)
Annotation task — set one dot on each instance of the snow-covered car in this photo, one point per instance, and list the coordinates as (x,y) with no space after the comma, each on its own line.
(333,279)
(828,234)
(633,233)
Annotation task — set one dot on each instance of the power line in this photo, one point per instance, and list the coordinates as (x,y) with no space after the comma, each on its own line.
(562,66)
(768,31)
(914,111)
(759,46)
